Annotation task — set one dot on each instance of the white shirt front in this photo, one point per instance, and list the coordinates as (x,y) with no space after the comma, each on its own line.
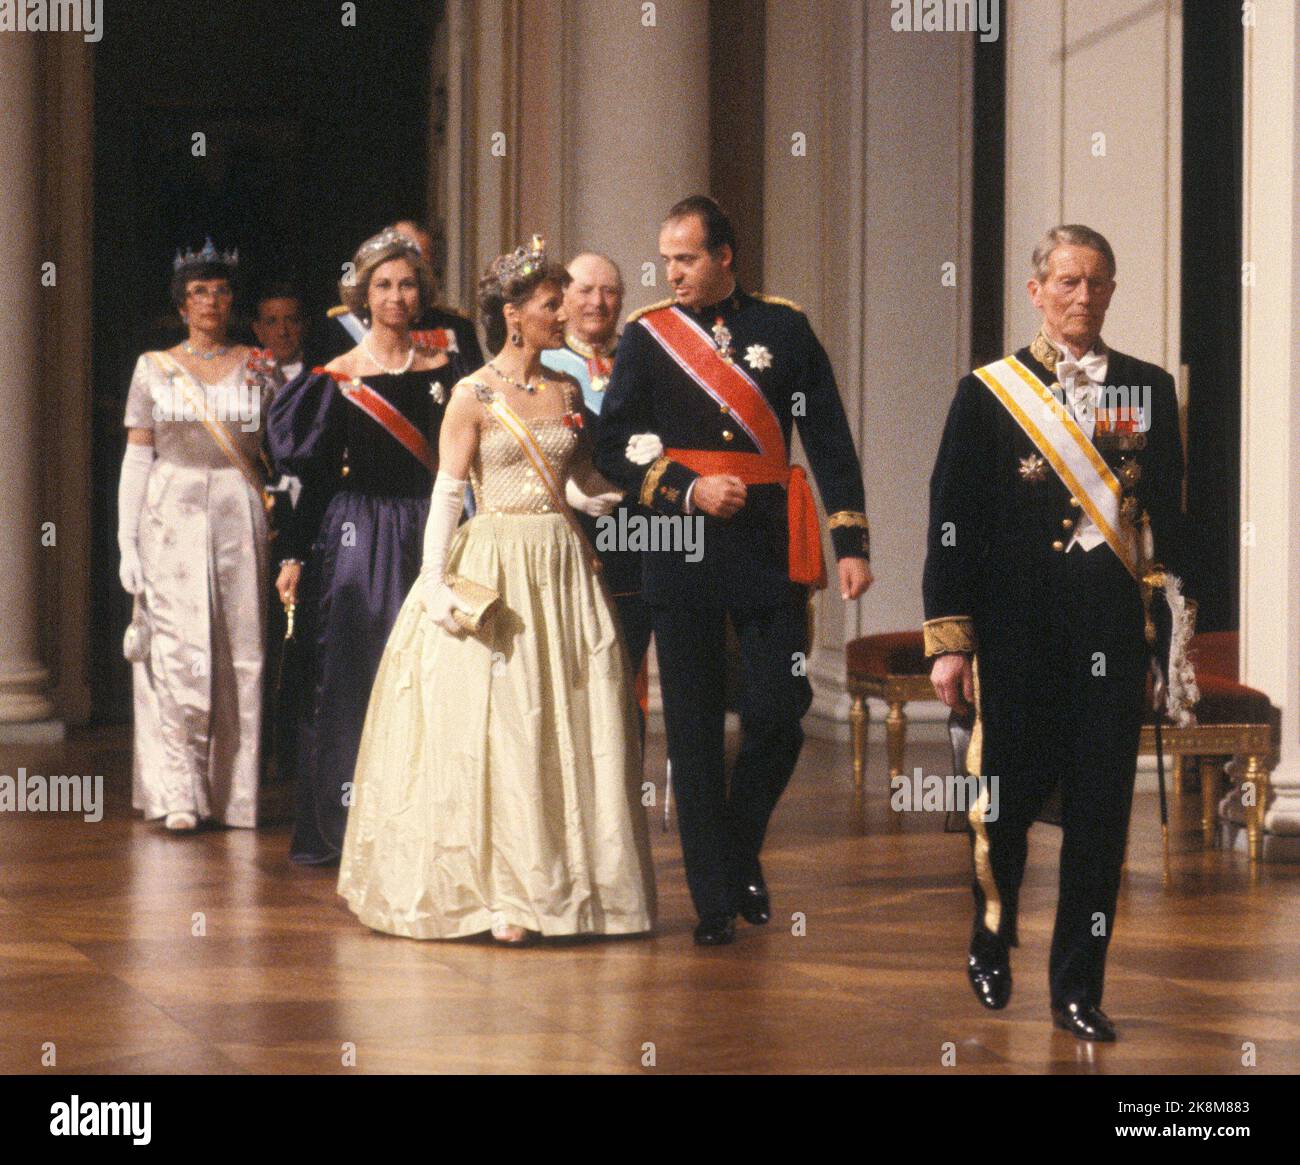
(1078,382)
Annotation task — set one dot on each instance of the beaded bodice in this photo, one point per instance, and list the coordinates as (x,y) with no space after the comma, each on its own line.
(503,480)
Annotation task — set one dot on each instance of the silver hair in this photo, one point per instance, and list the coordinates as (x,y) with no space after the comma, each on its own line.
(1073,235)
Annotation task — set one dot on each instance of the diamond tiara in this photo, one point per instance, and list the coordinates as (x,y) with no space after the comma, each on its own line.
(523,261)
(209,254)
(386,238)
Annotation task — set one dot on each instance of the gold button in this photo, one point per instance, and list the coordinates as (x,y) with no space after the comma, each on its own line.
(1067,523)
(346,470)
(728,435)
(725,408)
(1075,503)
(1058,545)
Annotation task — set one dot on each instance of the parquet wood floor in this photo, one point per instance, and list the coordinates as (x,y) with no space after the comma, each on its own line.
(99,955)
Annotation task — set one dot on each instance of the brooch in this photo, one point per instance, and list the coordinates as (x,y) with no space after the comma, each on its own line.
(437,391)
(1033,468)
(758,357)
(572,420)
(722,339)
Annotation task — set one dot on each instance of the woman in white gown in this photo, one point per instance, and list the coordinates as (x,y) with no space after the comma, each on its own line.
(498,783)
(192,533)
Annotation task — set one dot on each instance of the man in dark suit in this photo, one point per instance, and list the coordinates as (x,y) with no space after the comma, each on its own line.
(1057,485)
(720,376)
(439,327)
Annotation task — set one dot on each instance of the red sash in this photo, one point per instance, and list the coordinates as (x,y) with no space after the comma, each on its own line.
(385,416)
(688,344)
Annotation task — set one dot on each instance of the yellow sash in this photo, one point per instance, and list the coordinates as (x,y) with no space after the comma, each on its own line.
(1057,436)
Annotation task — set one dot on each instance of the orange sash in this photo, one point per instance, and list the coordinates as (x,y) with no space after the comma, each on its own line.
(688,344)
(386,416)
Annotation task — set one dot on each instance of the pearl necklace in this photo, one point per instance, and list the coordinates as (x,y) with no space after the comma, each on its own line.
(406,367)
(190,350)
(530,388)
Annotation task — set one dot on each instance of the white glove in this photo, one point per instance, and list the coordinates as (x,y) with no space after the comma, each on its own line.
(444,513)
(643,448)
(136,464)
(597,505)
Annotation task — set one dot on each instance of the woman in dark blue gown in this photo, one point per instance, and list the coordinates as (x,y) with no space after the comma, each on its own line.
(361,435)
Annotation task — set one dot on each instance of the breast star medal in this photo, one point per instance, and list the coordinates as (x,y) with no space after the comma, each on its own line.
(1033,468)
(758,357)
(437,391)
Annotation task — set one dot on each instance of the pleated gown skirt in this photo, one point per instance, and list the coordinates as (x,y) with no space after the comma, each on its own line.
(499,775)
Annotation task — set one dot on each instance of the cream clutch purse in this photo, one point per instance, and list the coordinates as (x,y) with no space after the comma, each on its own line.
(135,643)
(480,599)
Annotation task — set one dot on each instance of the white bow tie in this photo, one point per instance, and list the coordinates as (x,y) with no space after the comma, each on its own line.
(1093,365)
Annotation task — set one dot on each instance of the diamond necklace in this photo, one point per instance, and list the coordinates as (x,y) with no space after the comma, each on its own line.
(530,388)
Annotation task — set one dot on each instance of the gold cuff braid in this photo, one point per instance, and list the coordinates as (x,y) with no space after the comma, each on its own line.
(650,482)
(951,633)
(847,518)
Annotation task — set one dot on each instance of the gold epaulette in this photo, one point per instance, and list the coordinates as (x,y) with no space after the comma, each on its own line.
(636,315)
(778,300)
(341,309)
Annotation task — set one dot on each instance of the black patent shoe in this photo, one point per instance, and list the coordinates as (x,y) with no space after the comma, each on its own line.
(988,966)
(753,902)
(717,930)
(1084,1021)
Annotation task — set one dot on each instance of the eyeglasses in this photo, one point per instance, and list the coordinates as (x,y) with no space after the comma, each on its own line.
(213,293)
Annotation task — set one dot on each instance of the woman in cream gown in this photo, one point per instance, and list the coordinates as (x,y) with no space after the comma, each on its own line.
(498,782)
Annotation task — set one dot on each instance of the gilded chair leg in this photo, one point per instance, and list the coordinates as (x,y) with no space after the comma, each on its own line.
(1256,784)
(896,736)
(858,721)
(1209,798)
(1178,775)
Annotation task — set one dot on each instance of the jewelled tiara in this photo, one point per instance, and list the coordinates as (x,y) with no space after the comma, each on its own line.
(209,254)
(523,261)
(387,238)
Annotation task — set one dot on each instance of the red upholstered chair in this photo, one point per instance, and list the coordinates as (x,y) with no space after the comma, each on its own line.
(892,667)
(1232,720)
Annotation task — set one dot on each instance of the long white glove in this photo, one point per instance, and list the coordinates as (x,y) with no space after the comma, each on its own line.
(136,463)
(643,448)
(597,505)
(444,512)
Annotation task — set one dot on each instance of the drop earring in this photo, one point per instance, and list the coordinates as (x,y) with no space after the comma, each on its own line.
(516,339)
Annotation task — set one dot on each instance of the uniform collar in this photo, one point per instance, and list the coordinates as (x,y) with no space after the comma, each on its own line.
(723,307)
(590,351)
(1047,351)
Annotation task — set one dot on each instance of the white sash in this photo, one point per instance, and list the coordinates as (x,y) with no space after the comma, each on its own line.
(1059,439)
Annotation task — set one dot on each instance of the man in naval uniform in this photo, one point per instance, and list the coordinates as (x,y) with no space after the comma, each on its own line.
(438,327)
(593,303)
(1057,485)
(720,376)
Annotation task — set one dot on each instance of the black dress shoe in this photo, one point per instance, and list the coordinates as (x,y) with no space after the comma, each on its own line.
(717,930)
(753,902)
(1084,1022)
(988,966)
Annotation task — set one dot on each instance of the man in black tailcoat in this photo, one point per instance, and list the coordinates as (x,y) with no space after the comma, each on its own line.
(1057,486)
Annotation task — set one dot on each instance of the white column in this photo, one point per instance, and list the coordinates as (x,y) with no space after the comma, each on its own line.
(25,707)
(636,127)
(858,230)
(1270,369)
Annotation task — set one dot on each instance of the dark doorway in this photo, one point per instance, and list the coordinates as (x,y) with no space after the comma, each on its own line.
(1211,300)
(315,134)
